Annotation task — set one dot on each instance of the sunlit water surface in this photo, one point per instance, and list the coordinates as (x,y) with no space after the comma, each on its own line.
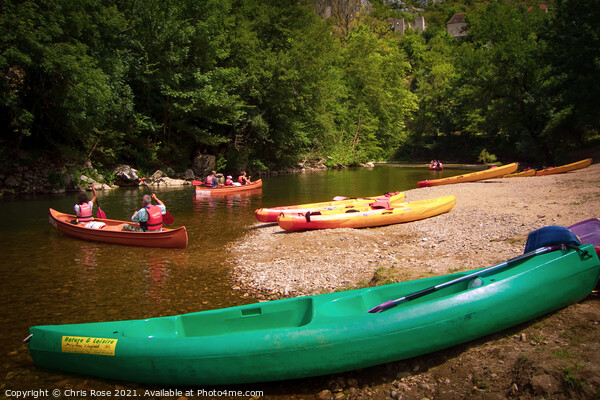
(49,278)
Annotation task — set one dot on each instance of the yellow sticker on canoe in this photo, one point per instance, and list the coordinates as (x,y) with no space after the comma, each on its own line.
(88,345)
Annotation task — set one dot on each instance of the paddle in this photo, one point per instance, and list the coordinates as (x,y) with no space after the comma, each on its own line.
(167,218)
(99,213)
(393,303)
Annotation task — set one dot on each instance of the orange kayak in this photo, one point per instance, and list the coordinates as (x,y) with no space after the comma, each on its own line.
(271,214)
(399,213)
(206,190)
(565,168)
(111,232)
(494,172)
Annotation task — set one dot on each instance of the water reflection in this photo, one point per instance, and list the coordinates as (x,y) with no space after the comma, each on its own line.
(51,278)
(157,273)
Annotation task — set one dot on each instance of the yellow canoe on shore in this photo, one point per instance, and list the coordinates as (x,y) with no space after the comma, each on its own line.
(527,172)
(565,168)
(271,214)
(400,213)
(494,172)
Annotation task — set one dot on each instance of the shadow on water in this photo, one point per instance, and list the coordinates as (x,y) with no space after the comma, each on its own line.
(49,278)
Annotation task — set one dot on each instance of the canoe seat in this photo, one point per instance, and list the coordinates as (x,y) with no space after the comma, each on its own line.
(155,328)
(277,315)
(351,306)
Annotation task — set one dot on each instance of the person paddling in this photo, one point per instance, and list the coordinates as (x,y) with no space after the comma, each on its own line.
(242,179)
(83,208)
(211,180)
(149,217)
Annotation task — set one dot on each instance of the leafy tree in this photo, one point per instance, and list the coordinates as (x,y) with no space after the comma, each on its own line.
(573,54)
(57,91)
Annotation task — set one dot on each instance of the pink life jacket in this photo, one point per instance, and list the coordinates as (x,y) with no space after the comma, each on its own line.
(85,213)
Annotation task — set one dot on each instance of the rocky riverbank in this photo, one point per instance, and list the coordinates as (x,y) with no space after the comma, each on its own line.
(557,356)
(45,176)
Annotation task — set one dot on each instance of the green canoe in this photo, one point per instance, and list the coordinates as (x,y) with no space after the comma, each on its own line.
(323,334)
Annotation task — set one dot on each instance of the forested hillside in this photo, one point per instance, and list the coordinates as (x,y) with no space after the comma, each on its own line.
(264,84)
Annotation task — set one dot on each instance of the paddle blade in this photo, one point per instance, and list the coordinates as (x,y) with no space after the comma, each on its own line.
(100,214)
(168,218)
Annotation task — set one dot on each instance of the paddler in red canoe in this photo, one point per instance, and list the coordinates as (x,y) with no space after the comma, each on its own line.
(149,217)
(83,208)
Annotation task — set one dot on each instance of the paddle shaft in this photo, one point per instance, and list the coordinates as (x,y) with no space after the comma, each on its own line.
(168,218)
(393,303)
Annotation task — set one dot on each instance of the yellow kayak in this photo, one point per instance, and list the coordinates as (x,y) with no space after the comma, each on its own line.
(271,214)
(565,168)
(395,214)
(527,172)
(494,172)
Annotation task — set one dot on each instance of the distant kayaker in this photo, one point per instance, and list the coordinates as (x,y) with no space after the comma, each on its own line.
(149,217)
(83,208)
(243,179)
(211,180)
(229,181)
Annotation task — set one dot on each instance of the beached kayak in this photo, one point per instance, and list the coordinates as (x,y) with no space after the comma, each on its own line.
(206,190)
(588,232)
(494,172)
(365,218)
(109,231)
(271,214)
(322,334)
(521,174)
(565,168)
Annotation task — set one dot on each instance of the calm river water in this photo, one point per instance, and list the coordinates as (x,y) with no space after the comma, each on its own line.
(50,278)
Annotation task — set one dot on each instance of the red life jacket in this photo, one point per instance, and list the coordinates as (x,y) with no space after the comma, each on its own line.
(155,218)
(242,180)
(382,202)
(228,182)
(209,180)
(85,213)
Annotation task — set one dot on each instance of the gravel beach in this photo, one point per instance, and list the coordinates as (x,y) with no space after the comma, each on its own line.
(489,224)
(556,356)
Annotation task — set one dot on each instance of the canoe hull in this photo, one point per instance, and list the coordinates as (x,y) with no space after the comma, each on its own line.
(400,213)
(473,176)
(210,191)
(522,174)
(565,168)
(315,335)
(167,238)
(271,214)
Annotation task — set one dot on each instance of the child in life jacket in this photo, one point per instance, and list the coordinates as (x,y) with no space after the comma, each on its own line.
(83,208)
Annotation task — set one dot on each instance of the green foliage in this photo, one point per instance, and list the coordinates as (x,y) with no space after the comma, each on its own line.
(265,84)
(486,158)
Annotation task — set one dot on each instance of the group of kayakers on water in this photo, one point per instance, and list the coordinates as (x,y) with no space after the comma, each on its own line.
(436,164)
(212,180)
(149,218)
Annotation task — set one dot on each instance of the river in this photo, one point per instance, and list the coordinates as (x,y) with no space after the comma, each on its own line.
(50,278)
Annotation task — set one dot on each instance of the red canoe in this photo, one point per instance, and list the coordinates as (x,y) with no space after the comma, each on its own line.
(206,190)
(111,232)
